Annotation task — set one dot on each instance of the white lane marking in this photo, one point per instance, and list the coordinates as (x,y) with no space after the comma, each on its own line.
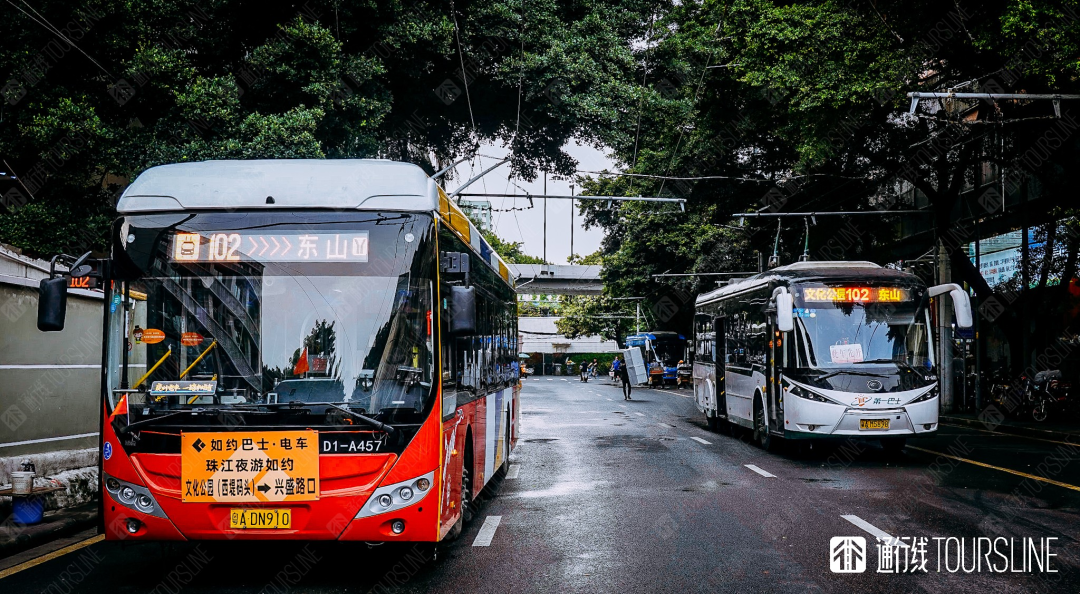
(699,440)
(878,532)
(609,400)
(666,425)
(623,405)
(551,379)
(512,473)
(639,414)
(487,531)
(763,473)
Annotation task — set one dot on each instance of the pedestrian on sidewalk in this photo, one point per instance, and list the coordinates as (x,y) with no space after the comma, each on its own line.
(624,376)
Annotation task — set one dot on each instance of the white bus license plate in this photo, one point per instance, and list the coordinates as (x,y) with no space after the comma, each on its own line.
(873,424)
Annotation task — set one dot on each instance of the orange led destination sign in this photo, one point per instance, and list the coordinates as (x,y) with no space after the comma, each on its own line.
(856,294)
(228,246)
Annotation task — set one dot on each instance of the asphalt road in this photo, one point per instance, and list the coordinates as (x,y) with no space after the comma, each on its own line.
(611,496)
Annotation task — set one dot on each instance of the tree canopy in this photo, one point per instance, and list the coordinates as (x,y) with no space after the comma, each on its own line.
(95,92)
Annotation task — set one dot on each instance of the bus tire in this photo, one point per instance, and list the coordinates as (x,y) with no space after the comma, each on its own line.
(761,432)
(710,418)
(467,511)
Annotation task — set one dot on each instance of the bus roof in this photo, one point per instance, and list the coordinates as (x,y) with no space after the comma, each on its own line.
(807,271)
(292,183)
(266,184)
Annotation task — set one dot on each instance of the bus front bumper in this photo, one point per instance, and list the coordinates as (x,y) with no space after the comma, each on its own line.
(829,420)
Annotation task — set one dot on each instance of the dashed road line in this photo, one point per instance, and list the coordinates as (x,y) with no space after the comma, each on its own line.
(609,400)
(701,441)
(512,472)
(639,414)
(53,555)
(1033,477)
(487,531)
(764,473)
(623,405)
(666,425)
(878,532)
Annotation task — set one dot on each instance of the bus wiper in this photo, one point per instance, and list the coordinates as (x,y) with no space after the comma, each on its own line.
(297,403)
(852,372)
(130,427)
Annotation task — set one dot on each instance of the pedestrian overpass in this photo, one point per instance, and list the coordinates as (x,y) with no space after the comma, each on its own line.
(557,279)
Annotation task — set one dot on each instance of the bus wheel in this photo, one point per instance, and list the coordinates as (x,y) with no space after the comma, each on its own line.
(466,489)
(711,419)
(761,432)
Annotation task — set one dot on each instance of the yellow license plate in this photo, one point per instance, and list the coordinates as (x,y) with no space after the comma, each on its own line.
(873,424)
(269,518)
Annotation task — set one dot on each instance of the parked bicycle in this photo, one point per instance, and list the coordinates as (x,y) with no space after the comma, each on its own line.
(1049,395)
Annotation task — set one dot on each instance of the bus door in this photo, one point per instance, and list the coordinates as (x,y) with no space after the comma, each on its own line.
(720,360)
(773,367)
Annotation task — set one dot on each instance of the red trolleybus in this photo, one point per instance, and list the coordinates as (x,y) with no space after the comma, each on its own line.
(315,349)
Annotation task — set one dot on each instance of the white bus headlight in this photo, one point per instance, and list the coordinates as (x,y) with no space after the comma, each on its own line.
(132,496)
(808,395)
(395,496)
(127,495)
(929,395)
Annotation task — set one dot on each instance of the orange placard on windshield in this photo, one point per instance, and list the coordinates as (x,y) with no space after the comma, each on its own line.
(249,466)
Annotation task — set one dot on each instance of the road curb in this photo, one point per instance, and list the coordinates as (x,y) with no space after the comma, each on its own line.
(1073,438)
(15,539)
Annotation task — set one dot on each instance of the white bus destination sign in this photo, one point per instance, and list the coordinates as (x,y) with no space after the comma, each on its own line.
(300,246)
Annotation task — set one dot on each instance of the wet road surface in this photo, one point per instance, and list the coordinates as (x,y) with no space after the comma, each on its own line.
(611,496)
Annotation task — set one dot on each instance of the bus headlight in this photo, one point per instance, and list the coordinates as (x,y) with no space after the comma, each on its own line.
(144,503)
(808,395)
(929,395)
(134,497)
(127,495)
(388,498)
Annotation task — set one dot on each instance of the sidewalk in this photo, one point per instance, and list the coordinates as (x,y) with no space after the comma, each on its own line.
(1067,432)
(57,524)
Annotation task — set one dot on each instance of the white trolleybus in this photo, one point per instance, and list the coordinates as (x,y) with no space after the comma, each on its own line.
(822,349)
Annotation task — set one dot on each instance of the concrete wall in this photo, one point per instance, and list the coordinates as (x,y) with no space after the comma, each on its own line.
(49,382)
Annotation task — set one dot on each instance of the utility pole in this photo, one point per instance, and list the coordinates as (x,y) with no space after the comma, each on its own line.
(571,219)
(545,217)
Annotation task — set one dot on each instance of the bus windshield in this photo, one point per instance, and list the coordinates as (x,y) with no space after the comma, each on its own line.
(669,350)
(845,334)
(272,308)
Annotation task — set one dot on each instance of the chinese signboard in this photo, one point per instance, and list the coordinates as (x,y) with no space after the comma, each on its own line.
(250,466)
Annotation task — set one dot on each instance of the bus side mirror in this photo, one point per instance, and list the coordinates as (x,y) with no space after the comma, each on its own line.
(785,321)
(961,302)
(52,304)
(462,310)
